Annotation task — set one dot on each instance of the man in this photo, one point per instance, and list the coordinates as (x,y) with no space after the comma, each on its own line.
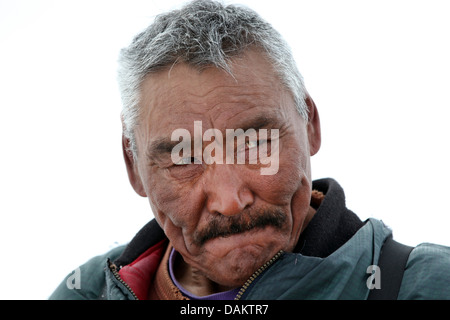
(237,216)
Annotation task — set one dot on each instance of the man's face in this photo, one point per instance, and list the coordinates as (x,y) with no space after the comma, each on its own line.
(226,220)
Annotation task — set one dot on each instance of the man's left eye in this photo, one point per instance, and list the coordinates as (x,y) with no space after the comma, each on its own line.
(184,161)
(251,144)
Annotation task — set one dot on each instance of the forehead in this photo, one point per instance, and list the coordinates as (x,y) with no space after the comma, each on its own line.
(177,97)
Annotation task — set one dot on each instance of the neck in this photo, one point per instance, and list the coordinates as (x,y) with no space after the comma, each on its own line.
(194,281)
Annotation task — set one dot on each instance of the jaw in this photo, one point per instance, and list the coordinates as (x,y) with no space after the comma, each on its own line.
(232,260)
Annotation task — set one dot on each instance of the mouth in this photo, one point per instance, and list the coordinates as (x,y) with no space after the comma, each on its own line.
(225,227)
(252,247)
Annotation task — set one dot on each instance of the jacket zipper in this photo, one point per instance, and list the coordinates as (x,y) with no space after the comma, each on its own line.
(257,274)
(116,274)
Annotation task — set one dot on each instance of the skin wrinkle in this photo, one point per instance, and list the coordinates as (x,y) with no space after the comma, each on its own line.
(185,207)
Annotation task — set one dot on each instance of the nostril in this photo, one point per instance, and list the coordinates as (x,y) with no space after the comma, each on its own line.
(230,203)
(246,198)
(226,193)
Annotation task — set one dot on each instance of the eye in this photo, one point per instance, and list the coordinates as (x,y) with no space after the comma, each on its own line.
(186,168)
(251,144)
(188,160)
(184,161)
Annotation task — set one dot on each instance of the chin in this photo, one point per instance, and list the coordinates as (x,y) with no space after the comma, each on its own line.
(232,261)
(232,274)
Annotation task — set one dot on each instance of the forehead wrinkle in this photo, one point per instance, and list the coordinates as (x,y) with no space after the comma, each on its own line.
(238,93)
(247,102)
(213,90)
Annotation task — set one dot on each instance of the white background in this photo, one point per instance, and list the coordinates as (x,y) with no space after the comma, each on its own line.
(378,71)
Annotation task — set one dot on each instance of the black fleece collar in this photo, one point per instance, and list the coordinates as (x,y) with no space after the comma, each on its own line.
(332,226)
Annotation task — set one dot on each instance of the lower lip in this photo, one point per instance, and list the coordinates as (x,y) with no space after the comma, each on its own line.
(260,237)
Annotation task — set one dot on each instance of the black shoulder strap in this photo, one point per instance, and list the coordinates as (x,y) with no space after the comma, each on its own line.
(392,264)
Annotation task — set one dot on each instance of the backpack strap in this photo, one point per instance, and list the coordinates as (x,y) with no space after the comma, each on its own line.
(392,263)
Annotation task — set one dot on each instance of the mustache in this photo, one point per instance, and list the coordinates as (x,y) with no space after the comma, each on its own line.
(224,226)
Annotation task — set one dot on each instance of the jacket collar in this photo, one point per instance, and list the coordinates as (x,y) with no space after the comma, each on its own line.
(150,235)
(332,225)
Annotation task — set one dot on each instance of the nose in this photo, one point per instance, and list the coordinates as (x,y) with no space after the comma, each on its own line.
(227,193)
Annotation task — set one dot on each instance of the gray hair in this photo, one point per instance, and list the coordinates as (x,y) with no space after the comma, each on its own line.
(203,33)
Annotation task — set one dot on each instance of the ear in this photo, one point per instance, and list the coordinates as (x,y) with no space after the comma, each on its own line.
(313,126)
(132,170)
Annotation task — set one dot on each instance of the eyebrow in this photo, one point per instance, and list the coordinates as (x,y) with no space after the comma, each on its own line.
(256,123)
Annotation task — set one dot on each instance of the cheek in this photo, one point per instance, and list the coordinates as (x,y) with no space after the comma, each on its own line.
(173,202)
(279,189)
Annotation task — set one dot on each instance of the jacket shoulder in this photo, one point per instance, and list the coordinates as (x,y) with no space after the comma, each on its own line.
(426,273)
(87,281)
